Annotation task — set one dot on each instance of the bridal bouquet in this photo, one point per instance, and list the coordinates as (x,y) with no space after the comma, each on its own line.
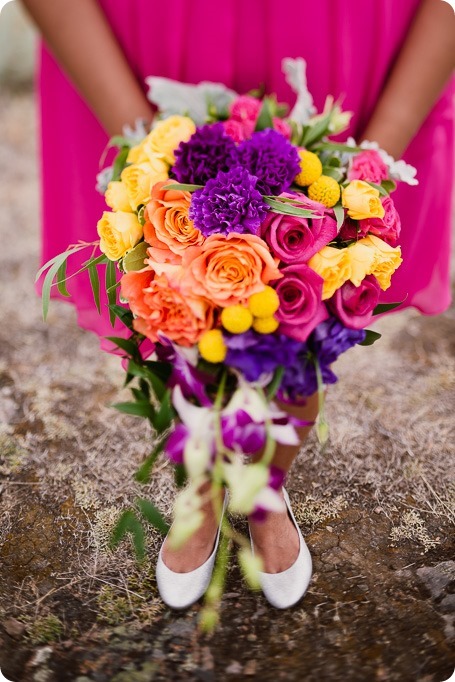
(244,252)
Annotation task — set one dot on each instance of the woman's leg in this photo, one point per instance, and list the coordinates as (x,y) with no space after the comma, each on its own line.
(276,539)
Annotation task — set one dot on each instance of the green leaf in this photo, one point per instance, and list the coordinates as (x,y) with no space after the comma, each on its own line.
(380,189)
(333,172)
(165,415)
(129,523)
(95,284)
(111,292)
(162,370)
(48,280)
(315,132)
(145,470)
(339,215)
(265,118)
(120,162)
(123,314)
(134,259)
(389,185)
(152,515)
(136,409)
(274,385)
(336,147)
(125,344)
(146,373)
(384,307)
(288,209)
(58,257)
(370,338)
(61,279)
(180,475)
(120,141)
(183,187)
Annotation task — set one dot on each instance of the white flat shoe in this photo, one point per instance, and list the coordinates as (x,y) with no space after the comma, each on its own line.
(286,588)
(180,590)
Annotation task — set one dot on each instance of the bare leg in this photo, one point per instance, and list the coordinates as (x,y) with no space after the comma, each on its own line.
(276,539)
(200,545)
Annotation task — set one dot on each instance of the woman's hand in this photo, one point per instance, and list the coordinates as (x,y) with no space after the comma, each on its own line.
(423,67)
(82,41)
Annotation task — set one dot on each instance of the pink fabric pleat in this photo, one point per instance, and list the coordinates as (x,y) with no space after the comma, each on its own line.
(350,47)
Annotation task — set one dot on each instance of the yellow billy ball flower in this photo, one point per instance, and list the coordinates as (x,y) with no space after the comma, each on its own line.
(265,325)
(326,190)
(265,303)
(236,319)
(212,347)
(310,168)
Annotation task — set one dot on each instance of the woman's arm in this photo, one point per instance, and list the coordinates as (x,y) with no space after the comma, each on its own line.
(82,41)
(423,67)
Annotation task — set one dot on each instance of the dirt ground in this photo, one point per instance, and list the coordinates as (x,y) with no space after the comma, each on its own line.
(377,506)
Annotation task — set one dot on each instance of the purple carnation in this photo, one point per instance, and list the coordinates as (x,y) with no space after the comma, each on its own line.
(327,342)
(228,203)
(274,161)
(208,151)
(255,354)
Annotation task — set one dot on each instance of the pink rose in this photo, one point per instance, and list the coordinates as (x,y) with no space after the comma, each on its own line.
(368,166)
(245,108)
(238,130)
(301,308)
(387,228)
(354,305)
(282,126)
(293,239)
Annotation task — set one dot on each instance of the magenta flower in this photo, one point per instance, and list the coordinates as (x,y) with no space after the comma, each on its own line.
(387,228)
(301,307)
(368,166)
(293,239)
(354,306)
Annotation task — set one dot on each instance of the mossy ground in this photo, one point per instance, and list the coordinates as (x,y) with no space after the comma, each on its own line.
(377,506)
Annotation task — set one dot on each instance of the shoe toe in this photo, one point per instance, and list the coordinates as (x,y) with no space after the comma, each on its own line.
(286,588)
(180,590)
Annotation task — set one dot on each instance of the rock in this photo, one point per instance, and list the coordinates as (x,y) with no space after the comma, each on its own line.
(235,668)
(438,577)
(250,668)
(447,605)
(41,656)
(14,628)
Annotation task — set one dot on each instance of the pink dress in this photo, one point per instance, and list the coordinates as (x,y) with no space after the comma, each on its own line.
(349,47)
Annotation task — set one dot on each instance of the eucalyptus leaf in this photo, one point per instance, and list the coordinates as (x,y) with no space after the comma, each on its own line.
(389,186)
(183,187)
(123,314)
(134,259)
(65,255)
(315,132)
(95,285)
(125,344)
(286,208)
(339,215)
(380,189)
(337,147)
(333,172)
(111,292)
(61,279)
(370,338)
(120,141)
(48,281)
(384,307)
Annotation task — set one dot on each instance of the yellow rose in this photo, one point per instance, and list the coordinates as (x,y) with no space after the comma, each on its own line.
(166,137)
(387,259)
(334,266)
(137,154)
(119,232)
(362,201)
(139,179)
(117,197)
(362,259)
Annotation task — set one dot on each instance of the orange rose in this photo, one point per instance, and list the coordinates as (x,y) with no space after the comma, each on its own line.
(229,269)
(161,309)
(168,227)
